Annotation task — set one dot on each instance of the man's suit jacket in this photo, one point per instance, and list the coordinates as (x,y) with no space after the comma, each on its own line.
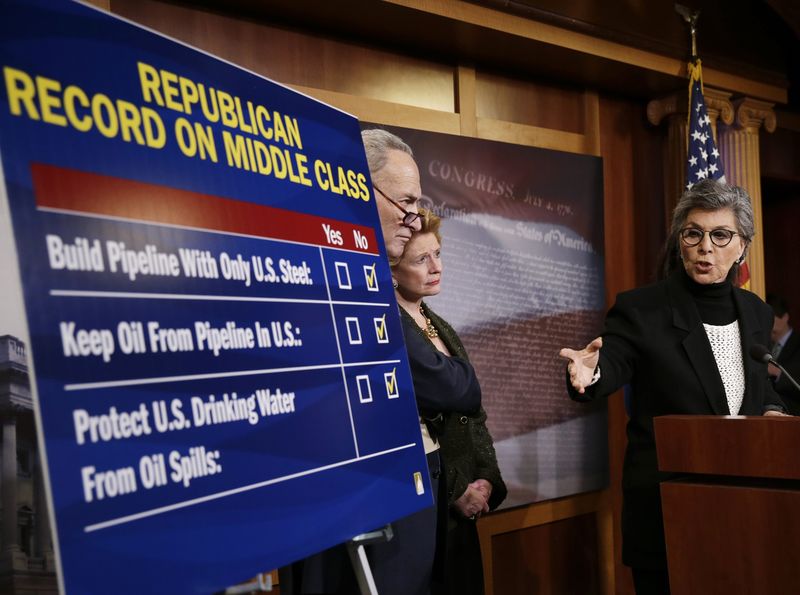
(789,358)
(654,340)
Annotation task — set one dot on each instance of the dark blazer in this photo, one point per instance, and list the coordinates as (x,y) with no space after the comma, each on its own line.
(466,445)
(654,340)
(789,358)
(467,453)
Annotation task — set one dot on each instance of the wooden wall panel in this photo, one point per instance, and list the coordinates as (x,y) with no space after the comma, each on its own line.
(551,559)
(504,571)
(780,189)
(635,215)
(387,113)
(534,136)
(781,210)
(780,153)
(295,58)
(634,233)
(527,102)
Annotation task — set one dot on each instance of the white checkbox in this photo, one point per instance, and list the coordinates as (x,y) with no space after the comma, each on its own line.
(364,389)
(343,275)
(353,330)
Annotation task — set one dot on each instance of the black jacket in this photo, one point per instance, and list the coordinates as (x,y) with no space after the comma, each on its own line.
(466,446)
(654,340)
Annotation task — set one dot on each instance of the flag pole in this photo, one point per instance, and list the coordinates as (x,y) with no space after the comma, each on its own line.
(690,17)
(703,158)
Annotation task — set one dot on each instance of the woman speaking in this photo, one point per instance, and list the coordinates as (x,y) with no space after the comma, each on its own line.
(681,344)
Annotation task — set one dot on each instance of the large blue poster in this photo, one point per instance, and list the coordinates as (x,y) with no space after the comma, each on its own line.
(220,377)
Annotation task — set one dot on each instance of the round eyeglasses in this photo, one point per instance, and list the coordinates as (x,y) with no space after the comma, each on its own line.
(408,217)
(692,236)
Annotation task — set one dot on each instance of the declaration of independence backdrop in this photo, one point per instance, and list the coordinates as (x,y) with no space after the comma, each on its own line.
(522,251)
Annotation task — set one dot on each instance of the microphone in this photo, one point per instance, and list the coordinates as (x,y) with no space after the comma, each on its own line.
(763,356)
(760,353)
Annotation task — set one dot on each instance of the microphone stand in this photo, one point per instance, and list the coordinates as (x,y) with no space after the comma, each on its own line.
(774,362)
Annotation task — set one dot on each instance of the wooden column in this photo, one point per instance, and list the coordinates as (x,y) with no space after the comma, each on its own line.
(674,108)
(738,145)
(465,100)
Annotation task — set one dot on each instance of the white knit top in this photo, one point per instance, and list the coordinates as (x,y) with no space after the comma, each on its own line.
(726,344)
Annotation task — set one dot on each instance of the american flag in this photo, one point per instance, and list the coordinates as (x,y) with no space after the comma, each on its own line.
(703,158)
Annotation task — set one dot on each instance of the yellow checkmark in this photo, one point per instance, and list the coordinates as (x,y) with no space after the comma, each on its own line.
(380,327)
(391,383)
(372,280)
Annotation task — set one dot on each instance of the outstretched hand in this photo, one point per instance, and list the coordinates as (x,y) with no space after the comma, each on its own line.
(582,363)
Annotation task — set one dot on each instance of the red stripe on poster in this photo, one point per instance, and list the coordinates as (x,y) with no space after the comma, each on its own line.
(83,192)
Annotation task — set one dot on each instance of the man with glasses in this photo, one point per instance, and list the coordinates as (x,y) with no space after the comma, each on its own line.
(395,178)
(442,385)
(405,564)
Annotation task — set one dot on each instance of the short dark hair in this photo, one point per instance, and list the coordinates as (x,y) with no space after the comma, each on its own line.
(709,195)
(779,305)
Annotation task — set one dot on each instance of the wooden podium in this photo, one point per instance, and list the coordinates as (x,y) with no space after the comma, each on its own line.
(732,523)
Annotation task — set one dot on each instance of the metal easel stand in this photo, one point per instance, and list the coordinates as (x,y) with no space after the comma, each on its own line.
(263,584)
(358,557)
